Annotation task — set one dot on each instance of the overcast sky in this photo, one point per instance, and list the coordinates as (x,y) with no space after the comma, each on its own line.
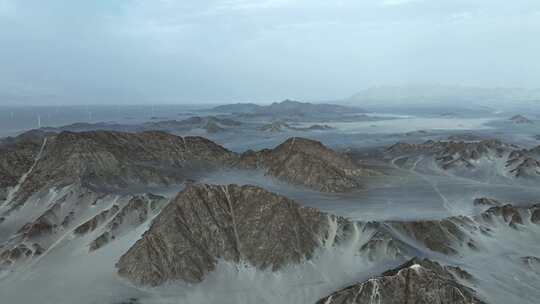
(100,51)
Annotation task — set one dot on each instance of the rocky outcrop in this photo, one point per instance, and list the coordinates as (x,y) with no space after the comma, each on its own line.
(208,223)
(67,217)
(18,253)
(96,221)
(137,211)
(450,236)
(454,154)
(61,214)
(508,213)
(444,236)
(383,244)
(309,163)
(419,281)
(466,154)
(524,163)
(402,148)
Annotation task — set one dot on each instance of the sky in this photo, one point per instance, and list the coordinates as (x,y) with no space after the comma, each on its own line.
(200,51)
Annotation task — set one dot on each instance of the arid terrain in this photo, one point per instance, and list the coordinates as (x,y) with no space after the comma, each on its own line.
(290,202)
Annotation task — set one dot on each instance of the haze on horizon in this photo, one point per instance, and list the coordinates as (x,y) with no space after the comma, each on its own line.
(169,51)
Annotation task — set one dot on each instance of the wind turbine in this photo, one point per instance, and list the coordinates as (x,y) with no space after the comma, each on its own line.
(89,113)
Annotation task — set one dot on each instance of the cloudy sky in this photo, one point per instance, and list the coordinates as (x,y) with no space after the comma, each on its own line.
(133,51)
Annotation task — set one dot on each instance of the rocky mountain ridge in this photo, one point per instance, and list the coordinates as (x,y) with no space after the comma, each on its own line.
(116,160)
(288,108)
(459,155)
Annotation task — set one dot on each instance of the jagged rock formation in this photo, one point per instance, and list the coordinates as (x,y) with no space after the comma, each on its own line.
(58,216)
(402,148)
(524,163)
(418,281)
(454,153)
(466,154)
(449,236)
(207,223)
(115,217)
(508,213)
(309,163)
(451,155)
(383,244)
(93,223)
(136,212)
(444,236)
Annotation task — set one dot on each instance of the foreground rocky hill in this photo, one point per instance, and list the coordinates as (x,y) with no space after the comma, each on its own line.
(208,223)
